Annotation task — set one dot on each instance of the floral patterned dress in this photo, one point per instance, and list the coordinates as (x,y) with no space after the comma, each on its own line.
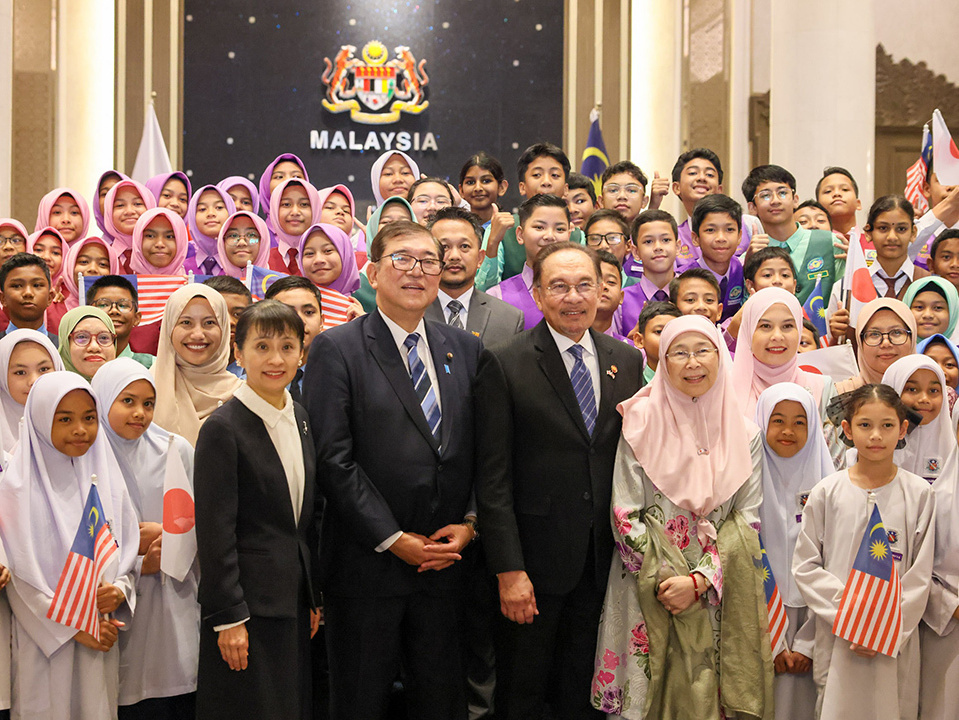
(621,677)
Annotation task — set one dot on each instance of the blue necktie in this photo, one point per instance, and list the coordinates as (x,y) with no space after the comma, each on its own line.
(583,387)
(208,265)
(423,386)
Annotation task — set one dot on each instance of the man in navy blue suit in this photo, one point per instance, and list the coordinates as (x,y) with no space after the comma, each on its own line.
(390,399)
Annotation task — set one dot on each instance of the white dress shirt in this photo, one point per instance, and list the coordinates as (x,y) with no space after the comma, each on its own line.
(464,299)
(590,359)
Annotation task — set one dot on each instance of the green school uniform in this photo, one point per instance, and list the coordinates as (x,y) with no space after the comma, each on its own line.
(813,255)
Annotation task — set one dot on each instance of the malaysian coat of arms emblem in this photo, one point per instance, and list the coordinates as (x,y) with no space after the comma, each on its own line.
(375,90)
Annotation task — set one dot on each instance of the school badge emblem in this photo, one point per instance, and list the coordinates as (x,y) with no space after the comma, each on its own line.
(815,264)
(386,88)
(892,536)
(932,466)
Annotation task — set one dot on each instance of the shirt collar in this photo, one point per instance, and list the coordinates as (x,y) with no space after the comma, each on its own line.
(464,299)
(564,343)
(907,267)
(793,240)
(270,415)
(398,333)
(528,277)
(650,289)
(702,263)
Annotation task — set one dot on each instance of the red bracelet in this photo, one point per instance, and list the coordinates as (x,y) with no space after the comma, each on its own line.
(695,585)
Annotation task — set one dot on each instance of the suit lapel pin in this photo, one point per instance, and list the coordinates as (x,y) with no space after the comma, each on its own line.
(449,361)
(305,429)
(476,333)
(612,371)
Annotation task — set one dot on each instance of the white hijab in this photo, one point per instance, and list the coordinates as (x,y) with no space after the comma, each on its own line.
(10,410)
(142,461)
(377,170)
(43,493)
(930,444)
(787,482)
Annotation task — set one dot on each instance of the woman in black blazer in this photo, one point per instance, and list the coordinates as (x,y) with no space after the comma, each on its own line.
(254,476)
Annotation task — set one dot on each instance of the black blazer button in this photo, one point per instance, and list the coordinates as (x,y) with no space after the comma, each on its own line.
(586,495)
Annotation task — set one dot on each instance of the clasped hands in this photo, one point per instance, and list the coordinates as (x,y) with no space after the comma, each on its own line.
(436,552)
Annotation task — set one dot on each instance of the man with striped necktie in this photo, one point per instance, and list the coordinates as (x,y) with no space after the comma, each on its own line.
(547,432)
(390,399)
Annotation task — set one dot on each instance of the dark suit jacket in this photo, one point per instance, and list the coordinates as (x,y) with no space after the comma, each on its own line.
(378,465)
(490,319)
(254,559)
(543,485)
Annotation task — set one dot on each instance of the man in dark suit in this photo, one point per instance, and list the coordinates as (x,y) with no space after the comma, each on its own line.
(458,302)
(547,431)
(390,398)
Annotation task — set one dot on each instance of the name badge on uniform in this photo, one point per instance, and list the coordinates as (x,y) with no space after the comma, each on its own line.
(801,500)
(892,535)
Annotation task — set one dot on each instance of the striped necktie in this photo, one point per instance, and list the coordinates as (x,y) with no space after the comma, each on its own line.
(422,385)
(455,308)
(583,387)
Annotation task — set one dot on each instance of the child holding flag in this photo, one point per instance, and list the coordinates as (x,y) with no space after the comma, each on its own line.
(863,564)
(70,534)
(794,460)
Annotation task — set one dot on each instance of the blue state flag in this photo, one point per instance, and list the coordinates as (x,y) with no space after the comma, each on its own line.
(815,309)
(595,159)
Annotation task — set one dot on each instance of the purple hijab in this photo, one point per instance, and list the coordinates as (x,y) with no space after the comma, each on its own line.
(349,280)
(156,183)
(97,215)
(226,183)
(206,243)
(265,177)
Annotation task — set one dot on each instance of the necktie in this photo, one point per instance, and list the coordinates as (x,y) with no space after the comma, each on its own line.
(583,387)
(723,284)
(891,286)
(422,385)
(208,265)
(291,263)
(455,308)
(660,296)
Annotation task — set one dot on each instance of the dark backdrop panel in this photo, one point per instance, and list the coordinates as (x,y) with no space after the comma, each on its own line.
(253,88)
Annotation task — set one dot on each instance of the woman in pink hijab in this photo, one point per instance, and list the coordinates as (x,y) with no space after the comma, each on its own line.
(337,207)
(243,238)
(124,204)
(160,243)
(327,260)
(283,167)
(91,256)
(13,238)
(172,191)
(48,244)
(104,185)
(209,209)
(293,206)
(687,486)
(66,211)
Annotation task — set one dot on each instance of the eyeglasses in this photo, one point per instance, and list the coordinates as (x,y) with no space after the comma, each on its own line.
(612,239)
(232,239)
(107,305)
(767,195)
(682,357)
(83,338)
(561,289)
(425,200)
(406,263)
(631,190)
(12,240)
(896,336)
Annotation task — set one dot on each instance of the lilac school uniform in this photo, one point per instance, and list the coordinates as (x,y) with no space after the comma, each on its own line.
(687,253)
(732,286)
(634,298)
(516,291)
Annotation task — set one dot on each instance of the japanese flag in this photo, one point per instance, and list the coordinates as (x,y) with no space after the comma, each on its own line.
(857,282)
(945,155)
(179,521)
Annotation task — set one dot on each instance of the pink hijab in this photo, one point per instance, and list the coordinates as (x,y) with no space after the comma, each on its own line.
(21,228)
(64,249)
(263,251)
(50,199)
(121,241)
(97,215)
(750,376)
(349,280)
(231,182)
(139,263)
(72,298)
(695,450)
(204,242)
(284,241)
(268,175)
(357,238)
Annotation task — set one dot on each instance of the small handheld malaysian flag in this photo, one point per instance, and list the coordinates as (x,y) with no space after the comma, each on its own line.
(75,600)
(778,622)
(870,612)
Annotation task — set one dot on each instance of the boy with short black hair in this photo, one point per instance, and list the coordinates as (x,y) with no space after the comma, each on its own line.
(812,215)
(238,297)
(838,192)
(25,293)
(696,292)
(653,251)
(607,230)
(696,174)
(543,220)
(610,294)
(770,191)
(944,258)
(543,169)
(117,297)
(304,297)
(770,267)
(580,199)
(624,190)
(716,229)
(649,327)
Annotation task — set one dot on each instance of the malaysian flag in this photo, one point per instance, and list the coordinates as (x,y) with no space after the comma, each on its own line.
(916,174)
(870,612)
(815,312)
(774,604)
(152,291)
(333,304)
(595,160)
(75,600)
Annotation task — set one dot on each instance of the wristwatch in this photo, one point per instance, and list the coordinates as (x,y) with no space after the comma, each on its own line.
(470,522)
